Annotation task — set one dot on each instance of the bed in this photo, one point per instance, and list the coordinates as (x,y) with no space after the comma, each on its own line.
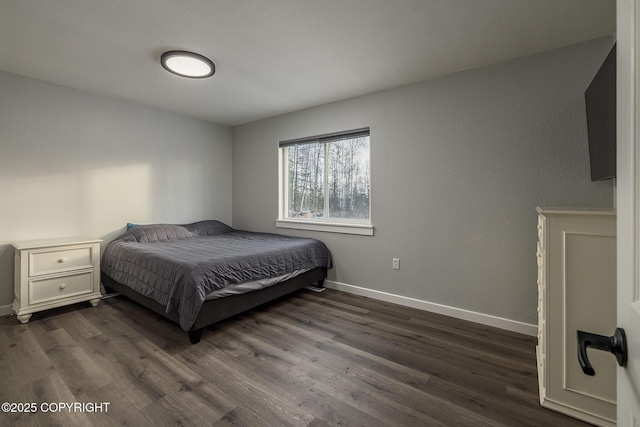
(198,274)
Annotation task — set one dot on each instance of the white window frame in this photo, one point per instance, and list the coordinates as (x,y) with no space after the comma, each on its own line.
(332,225)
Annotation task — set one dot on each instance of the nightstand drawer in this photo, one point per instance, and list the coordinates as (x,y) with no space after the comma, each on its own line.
(46,290)
(56,260)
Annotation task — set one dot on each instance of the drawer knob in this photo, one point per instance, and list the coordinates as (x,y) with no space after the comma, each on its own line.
(61,260)
(62,286)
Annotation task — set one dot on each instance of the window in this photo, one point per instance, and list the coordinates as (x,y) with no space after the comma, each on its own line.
(325,183)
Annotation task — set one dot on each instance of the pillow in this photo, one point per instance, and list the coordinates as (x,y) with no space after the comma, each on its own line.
(158,232)
(209,227)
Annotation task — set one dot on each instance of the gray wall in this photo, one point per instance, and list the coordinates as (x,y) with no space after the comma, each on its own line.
(458,166)
(72,163)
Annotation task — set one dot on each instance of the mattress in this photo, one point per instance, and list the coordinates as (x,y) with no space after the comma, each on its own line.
(254,285)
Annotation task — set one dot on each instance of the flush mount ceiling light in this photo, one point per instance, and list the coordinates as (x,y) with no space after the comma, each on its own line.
(187,64)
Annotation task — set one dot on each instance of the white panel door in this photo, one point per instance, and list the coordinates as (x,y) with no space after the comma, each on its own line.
(628,206)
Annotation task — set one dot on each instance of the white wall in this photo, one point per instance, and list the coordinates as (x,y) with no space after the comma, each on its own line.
(72,163)
(458,166)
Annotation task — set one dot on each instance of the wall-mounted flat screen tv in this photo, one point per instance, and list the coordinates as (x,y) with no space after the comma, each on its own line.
(600,99)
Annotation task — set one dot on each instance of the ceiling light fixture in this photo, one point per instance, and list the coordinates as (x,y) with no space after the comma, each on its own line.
(187,64)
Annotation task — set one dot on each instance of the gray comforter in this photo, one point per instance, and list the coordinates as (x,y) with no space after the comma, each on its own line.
(178,265)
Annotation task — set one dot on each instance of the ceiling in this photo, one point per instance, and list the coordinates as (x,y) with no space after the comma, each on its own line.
(278,56)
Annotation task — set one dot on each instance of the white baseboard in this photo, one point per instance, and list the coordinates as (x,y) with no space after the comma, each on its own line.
(458,313)
(6,310)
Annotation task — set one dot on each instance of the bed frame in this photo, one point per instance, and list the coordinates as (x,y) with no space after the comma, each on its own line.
(215,310)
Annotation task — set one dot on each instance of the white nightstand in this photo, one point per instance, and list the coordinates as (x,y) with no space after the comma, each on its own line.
(55,272)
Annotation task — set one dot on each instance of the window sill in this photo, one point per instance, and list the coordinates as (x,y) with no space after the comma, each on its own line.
(329,227)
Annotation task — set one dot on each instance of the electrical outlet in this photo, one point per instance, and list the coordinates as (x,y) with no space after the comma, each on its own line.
(396,263)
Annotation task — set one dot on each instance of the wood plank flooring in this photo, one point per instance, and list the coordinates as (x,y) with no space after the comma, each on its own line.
(310,359)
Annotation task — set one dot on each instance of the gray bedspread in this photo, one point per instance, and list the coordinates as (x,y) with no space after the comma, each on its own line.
(178,265)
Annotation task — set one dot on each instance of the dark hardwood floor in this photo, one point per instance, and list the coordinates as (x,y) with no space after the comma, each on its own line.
(311,359)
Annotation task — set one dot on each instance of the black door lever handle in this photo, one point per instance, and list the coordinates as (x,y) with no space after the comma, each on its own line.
(615,344)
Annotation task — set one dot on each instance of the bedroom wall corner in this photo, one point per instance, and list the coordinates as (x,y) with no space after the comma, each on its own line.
(74,163)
